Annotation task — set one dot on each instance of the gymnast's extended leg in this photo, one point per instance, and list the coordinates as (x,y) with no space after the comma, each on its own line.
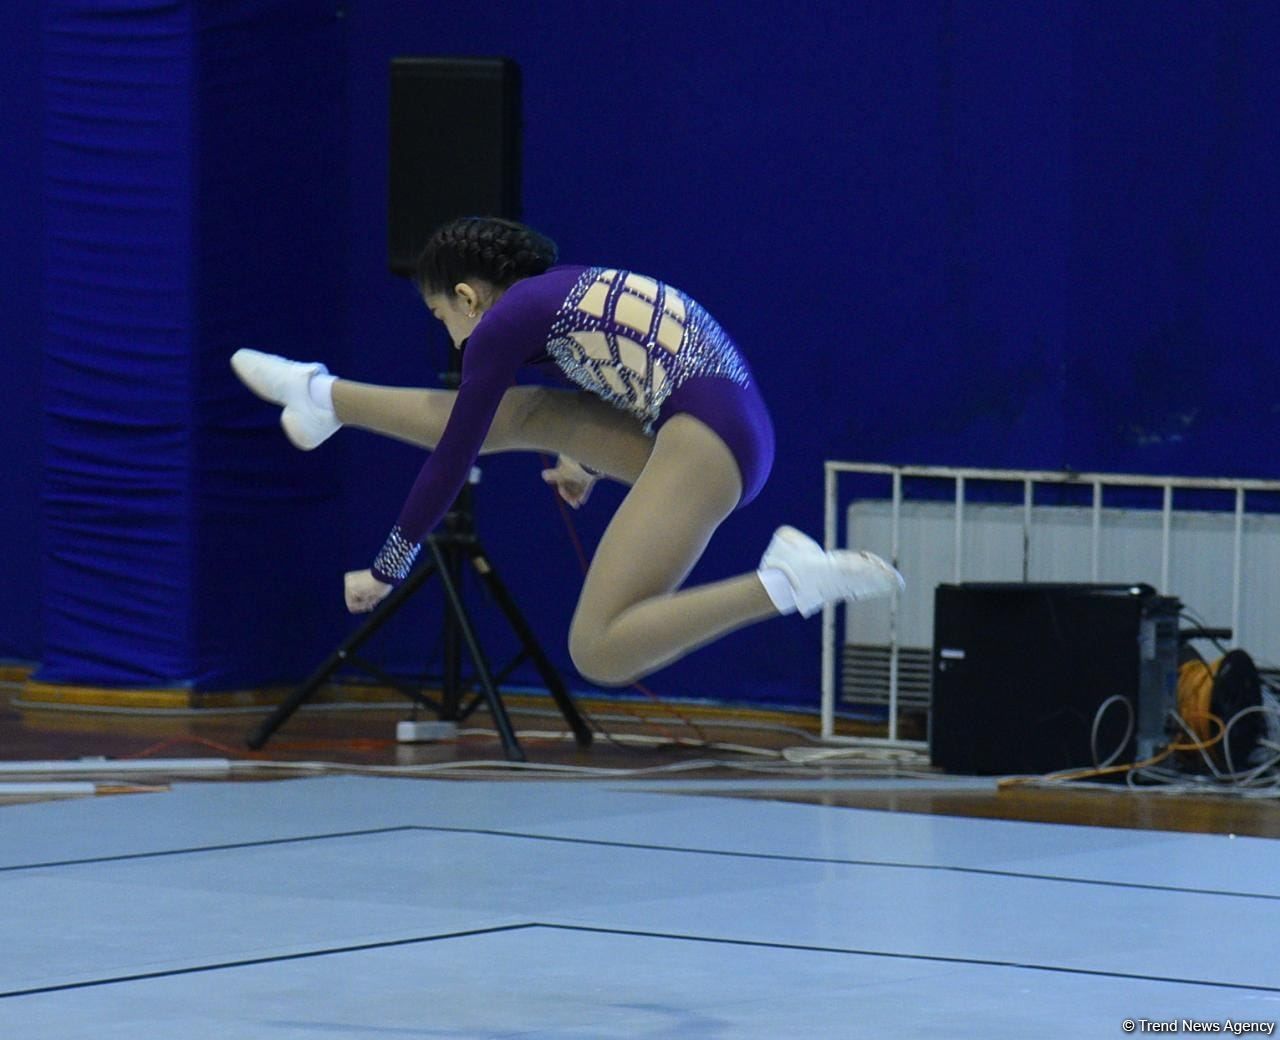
(530,418)
(315,405)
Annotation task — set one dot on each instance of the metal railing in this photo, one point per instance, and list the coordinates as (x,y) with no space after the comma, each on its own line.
(1029,480)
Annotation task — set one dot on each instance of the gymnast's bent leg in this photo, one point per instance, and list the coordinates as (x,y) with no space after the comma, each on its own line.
(631,620)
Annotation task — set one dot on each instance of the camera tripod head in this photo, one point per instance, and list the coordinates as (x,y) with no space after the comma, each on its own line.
(451,377)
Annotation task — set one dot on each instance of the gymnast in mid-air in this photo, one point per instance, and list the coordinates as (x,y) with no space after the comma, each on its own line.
(656,395)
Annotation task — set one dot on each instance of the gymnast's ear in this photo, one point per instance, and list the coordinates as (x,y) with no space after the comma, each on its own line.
(475,295)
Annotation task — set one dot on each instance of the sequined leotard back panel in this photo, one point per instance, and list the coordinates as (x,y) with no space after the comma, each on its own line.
(633,341)
(641,345)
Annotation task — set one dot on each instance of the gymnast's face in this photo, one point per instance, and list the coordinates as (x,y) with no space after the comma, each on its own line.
(461,310)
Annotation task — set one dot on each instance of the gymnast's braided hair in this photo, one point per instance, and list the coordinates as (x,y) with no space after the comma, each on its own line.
(490,248)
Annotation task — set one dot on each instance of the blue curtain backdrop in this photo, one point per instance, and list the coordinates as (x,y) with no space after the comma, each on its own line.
(193,173)
(955,233)
(21,325)
(117,403)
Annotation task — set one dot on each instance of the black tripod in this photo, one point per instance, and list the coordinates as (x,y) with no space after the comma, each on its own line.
(454,546)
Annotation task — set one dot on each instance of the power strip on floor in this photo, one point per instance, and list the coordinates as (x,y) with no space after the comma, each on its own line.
(410,732)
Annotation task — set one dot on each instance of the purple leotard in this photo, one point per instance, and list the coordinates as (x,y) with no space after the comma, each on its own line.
(643,346)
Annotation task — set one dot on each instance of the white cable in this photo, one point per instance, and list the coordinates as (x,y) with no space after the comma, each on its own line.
(886,755)
(506,769)
(66,787)
(646,739)
(1097,722)
(1199,745)
(1253,709)
(448,767)
(199,766)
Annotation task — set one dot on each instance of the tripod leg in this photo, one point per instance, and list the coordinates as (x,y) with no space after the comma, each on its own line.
(386,609)
(500,719)
(550,675)
(451,685)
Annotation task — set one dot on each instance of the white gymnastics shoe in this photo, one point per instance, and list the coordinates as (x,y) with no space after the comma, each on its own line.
(287,383)
(818,577)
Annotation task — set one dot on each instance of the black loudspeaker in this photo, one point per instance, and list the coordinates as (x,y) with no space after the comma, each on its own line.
(455,147)
(1020,672)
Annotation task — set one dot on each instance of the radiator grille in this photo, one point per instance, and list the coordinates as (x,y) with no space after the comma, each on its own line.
(865,675)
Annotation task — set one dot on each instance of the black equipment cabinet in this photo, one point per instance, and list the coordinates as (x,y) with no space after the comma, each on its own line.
(1021,672)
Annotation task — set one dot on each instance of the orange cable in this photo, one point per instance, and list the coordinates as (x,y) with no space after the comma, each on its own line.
(1085,774)
(162,745)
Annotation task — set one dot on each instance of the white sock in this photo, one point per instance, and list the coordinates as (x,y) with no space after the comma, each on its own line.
(779,588)
(321,390)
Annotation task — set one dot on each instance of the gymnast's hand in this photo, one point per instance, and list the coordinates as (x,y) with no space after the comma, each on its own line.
(364,591)
(571,480)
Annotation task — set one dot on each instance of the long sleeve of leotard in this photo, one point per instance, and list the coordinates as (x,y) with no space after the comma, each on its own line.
(490,362)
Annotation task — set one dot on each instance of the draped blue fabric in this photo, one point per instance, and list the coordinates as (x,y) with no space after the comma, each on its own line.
(117,379)
(989,233)
(180,227)
(998,234)
(268,206)
(21,325)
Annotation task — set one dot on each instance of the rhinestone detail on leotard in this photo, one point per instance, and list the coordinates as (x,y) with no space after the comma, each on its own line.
(397,557)
(597,341)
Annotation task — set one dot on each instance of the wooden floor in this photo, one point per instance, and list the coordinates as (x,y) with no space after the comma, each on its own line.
(647,741)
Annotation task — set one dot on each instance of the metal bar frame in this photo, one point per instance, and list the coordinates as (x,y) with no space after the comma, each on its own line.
(832,539)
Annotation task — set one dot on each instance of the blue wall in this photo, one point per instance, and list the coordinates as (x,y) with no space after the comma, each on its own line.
(21,327)
(954,233)
(856,198)
(1174,283)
